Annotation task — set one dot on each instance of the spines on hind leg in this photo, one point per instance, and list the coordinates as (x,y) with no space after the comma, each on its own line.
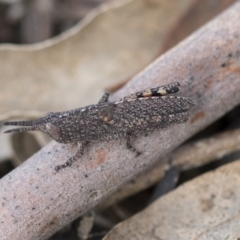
(157,91)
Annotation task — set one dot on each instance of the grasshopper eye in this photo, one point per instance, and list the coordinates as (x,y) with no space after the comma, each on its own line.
(53,131)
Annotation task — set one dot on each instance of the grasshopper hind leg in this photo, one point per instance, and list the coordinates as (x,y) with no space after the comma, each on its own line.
(157,91)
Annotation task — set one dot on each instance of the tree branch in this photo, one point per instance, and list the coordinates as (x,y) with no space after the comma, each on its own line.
(188,156)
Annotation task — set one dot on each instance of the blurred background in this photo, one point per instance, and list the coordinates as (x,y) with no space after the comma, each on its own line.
(32,21)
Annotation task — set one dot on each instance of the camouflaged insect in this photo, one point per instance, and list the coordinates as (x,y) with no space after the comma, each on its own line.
(139,113)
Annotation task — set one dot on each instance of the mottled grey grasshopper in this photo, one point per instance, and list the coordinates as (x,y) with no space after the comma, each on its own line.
(136,114)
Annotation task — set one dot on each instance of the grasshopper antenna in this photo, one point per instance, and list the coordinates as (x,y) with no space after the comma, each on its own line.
(20,123)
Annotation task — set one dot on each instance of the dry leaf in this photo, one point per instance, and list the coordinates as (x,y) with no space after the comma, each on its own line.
(111,44)
(202,209)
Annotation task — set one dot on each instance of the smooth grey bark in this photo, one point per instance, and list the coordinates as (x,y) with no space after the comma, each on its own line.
(188,156)
(36,201)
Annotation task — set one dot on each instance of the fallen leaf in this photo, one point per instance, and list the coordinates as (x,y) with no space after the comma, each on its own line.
(202,209)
